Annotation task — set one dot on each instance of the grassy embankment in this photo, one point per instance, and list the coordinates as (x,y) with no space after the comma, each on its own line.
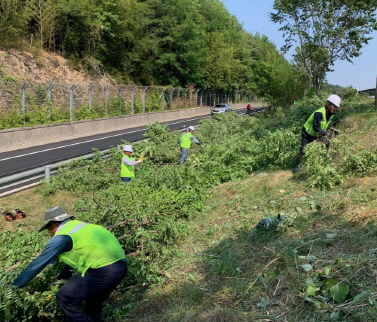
(226,271)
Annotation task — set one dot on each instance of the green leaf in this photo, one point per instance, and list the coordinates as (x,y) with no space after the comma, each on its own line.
(299,210)
(263,303)
(362,295)
(328,270)
(334,315)
(331,236)
(311,290)
(312,282)
(339,292)
(330,282)
(306,267)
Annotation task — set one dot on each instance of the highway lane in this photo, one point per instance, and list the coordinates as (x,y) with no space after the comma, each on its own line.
(24,159)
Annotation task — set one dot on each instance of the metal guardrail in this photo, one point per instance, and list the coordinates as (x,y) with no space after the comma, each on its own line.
(35,176)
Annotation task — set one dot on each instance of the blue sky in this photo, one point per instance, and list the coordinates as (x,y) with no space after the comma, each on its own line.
(254,14)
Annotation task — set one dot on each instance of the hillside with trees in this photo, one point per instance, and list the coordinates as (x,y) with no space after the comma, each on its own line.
(178,43)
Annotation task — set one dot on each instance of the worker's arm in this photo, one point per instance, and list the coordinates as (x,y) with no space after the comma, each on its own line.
(56,245)
(127,161)
(317,123)
(195,140)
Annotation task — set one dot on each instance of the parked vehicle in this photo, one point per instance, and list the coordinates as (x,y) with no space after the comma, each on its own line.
(221,108)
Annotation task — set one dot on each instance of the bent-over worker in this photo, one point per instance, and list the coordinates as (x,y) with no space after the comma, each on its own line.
(316,126)
(185,143)
(90,249)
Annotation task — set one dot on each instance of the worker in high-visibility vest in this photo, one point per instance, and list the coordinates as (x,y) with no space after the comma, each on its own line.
(91,250)
(185,143)
(127,166)
(316,126)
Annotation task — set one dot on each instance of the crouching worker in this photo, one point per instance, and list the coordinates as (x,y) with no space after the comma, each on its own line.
(90,249)
(316,126)
(127,166)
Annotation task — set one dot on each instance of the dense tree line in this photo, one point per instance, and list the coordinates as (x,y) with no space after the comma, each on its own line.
(154,42)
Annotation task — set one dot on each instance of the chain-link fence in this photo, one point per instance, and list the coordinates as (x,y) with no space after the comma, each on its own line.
(43,103)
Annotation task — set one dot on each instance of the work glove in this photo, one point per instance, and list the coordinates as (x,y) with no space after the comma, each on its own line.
(202,146)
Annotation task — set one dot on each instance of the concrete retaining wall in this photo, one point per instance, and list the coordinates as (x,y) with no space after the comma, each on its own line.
(13,139)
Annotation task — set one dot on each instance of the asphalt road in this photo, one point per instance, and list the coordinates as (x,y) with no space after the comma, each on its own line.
(25,159)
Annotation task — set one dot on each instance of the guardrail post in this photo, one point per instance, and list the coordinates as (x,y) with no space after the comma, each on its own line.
(23,88)
(106,97)
(71,102)
(162,97)
(90,96)
(144,99)
(132,100)
(47,174)
(49,100)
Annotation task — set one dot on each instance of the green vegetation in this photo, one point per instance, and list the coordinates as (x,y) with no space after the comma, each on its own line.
(325,31)
(188,230)
(179,43)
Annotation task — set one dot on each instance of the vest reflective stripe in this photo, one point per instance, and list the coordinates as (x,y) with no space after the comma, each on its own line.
(93,246)
(127,171)
(324,123)
(186,140)
(77,228)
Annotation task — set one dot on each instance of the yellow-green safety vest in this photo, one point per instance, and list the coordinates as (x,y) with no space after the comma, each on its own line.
(186,140)
(127,171)
(93,246)
(324,123)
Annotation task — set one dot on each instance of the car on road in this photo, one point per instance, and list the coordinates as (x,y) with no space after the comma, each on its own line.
(221,108)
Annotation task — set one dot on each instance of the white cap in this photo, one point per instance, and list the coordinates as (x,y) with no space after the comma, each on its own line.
(335,99)
(127,148)
(191,128)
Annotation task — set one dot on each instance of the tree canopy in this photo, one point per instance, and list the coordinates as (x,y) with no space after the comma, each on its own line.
(153,42)
(325,30)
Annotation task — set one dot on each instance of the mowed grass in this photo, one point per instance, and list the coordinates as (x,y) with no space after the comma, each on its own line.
(225,270)
(228,271)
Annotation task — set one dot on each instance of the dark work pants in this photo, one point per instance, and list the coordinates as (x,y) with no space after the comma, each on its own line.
(306,138)
(94,288)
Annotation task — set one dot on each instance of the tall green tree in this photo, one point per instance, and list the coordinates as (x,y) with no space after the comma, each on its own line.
(325,30)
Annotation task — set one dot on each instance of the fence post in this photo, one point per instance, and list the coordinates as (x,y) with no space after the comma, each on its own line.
(106,97)
(162,97)
(47,174)
(132,100)
(144,99)
(120,100)
(179,95)
(71,102)
(49,100)
(23,88)
(90,96)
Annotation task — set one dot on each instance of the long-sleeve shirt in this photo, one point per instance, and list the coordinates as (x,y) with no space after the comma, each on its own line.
(127,161)
(193,139)
(55,246)
(317,123)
